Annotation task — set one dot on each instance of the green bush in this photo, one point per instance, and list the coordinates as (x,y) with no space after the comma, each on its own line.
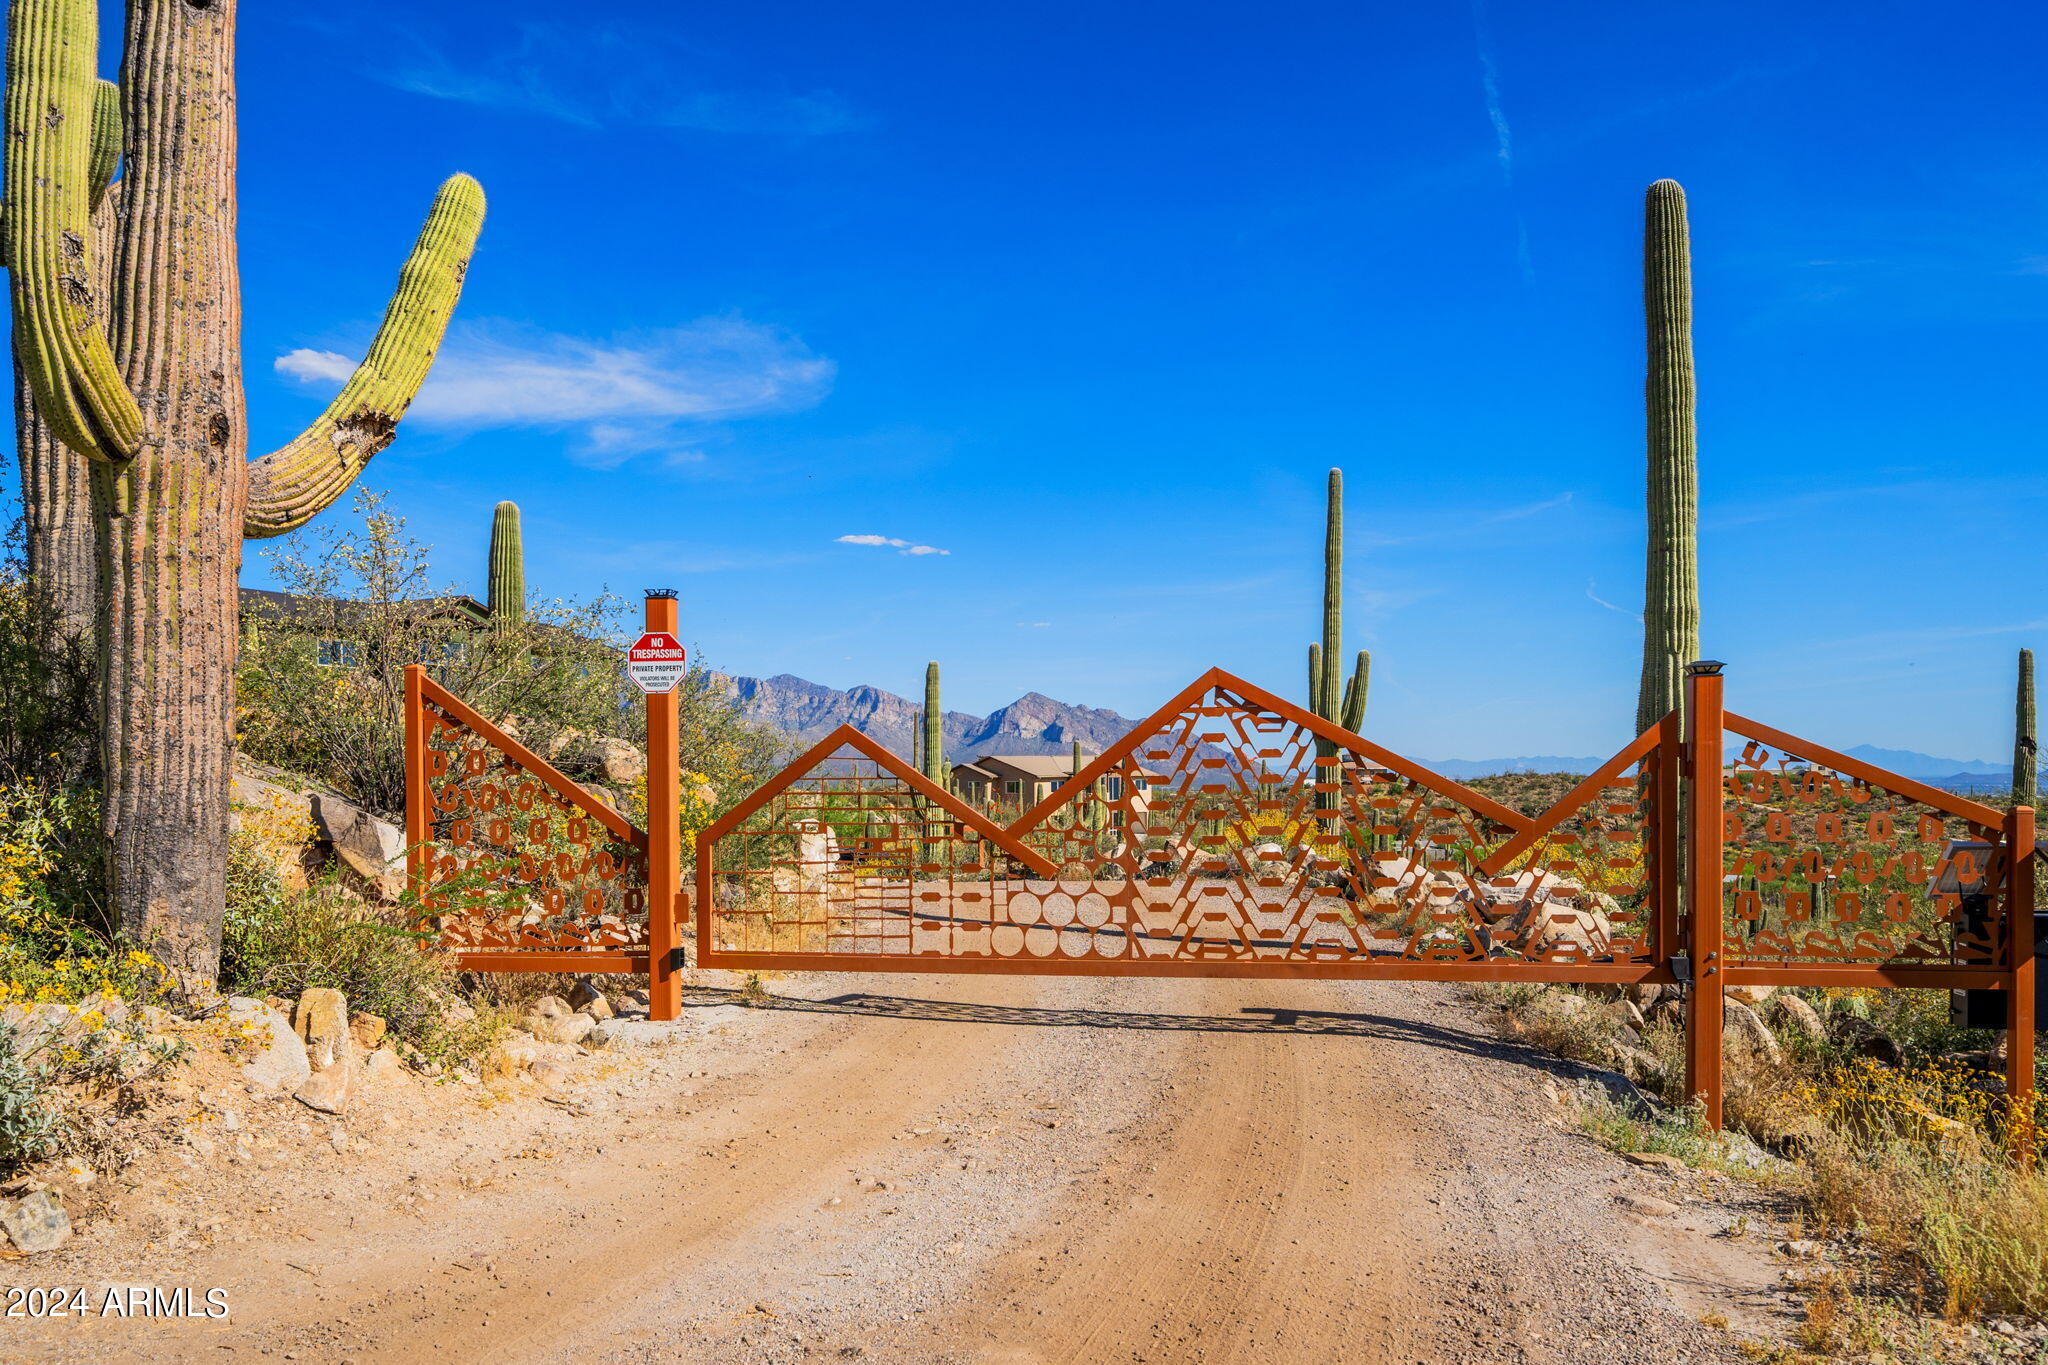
(30,1128)
(280,941)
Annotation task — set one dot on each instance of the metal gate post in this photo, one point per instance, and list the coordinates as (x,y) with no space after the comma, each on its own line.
(418,817)
(664,829)
(1704,811)
(2020,1022)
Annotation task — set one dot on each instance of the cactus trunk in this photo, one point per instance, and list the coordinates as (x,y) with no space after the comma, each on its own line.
(1333,594)
(1671,593)
(934,728)
(2025,751)
(507,588)
(144,379)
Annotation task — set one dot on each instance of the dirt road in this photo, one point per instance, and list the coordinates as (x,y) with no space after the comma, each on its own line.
(961,1169)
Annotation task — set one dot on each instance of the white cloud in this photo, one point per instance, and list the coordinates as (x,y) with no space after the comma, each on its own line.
(311,367)
(627,395)
(902,547)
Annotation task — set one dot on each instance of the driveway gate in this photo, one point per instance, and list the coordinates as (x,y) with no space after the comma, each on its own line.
(1236,834)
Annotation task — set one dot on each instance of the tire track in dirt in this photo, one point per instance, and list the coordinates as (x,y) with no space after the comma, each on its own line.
(1240,1240)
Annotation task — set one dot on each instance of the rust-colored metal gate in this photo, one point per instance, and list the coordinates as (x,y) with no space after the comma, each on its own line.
(1234,833)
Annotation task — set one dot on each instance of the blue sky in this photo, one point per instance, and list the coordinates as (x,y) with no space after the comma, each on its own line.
(1088,297)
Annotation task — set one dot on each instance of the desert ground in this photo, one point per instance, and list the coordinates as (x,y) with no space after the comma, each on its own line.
(912,1168)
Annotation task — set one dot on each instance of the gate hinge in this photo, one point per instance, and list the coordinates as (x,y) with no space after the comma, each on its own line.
(676,960)
(1681,968)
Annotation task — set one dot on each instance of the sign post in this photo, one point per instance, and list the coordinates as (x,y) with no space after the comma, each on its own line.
(656,664)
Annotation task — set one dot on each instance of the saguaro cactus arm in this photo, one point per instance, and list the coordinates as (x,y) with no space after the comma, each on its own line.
(106,139)
(292,484)
(1315,679)
(1354,693)
(2026,755)
(60,339)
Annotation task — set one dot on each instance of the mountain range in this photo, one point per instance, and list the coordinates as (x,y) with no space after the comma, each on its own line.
(1038,724)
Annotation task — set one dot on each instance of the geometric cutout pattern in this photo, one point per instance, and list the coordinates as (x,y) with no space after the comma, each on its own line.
(1824,865)
(517,856)
(1231,827)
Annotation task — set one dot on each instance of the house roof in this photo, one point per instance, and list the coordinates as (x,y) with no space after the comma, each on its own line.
(974,768)
(1039,766)
(286,605)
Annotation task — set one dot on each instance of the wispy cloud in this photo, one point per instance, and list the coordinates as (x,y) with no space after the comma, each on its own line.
(902,547)
(1596,597)
(596,77)
(625,395)
(1439,532)
(1503,136)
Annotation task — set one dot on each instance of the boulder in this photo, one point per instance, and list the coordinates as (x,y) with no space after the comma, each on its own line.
(328,1091)
(371,848)
(1741,1022)
(551,1007)
(278,1058)
(31,1024)
(1595,1084)
(1640,1065)
(588,999)
(623,764)
(553,1075)
(367,1030)
(323,1023)
(1800,1019)
(601,792)
(35,1222)
(570,1028)
(1548,928)
(382,1065)
(276,821)
(1751,995)
(1644,996)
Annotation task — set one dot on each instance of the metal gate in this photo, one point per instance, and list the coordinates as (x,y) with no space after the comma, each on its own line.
(1234,834)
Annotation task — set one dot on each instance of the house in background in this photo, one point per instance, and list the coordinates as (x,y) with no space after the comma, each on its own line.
(1023,780)
(340,645)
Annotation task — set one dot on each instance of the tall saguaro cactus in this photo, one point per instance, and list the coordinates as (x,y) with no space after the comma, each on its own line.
(1329,694)
(2026,753)
(1671,582)
(136,367)
(934,727)
(507,587)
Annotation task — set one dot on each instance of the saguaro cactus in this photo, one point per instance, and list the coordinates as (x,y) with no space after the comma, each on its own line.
(934,727)
(142,376)
(1671,583)
(507,589)
(2026,754)
(1329,694)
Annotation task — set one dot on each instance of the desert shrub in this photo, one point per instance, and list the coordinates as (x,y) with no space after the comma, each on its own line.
(51,947)
(277,940)
(48,1080)
(322,679)
(49,700)
(30,1126)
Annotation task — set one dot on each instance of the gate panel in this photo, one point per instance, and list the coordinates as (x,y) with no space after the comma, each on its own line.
(851,858)
(516,866)
(1231,834)
(1831,862)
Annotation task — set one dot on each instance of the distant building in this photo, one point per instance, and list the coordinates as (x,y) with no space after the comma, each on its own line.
(1023,780)
(340,646)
